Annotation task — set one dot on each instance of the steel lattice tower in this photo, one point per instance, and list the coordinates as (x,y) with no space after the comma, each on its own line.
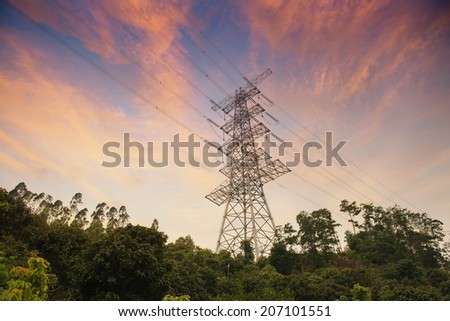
(247,216)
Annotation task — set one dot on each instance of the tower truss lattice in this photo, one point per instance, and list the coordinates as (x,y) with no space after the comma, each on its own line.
(247,216)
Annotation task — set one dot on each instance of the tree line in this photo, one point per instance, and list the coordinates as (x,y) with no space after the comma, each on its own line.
(53,251)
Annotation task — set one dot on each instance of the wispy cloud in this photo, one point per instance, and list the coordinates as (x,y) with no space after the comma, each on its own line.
(347,50)
(374,72)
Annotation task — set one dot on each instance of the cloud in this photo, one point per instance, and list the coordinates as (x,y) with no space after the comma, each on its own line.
(347,49)
(106,26)
(141,35)
(374,72)
(56,117)
(48,125)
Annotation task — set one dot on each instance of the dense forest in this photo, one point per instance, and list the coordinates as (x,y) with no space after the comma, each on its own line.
(53,251)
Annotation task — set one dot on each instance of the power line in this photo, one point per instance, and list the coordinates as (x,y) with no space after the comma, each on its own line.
(298,194)
(342,183)
(204,52)
(108,74)
(132,90)
(159,81)
(308,199)
(243,76)
(171,91)
(321,140)
(386,187)
(206,96)
(210,121)
(300,124)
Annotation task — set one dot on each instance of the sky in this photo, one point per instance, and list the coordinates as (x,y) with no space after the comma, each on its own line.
(75,75)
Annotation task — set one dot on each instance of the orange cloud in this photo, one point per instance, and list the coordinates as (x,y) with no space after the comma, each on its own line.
(51,125)
(345,49)
(48,125)
(136,25)
(140,34)
(339,56)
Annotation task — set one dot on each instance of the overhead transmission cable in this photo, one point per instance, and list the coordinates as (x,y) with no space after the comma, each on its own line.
(143,69)
(303,126)
(210,121)
(204,52)
(82,56)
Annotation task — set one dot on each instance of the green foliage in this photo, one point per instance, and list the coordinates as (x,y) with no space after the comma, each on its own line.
(395,291)
(394,253)
(315,239)
(14,215)
(247,251)
(27,284)
(360,293)
(285,261)
(392,234)
(317,232)
(309,286)
(192,270)
(127,263)
(330,283)
(254,283)
(4,272)
(63,246)
(169,297)
(55,211)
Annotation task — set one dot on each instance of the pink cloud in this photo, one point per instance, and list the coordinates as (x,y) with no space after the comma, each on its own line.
(346,49)
(131,24)
(139,34)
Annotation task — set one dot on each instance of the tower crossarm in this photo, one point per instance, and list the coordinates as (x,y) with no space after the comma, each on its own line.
(273,170)
(220,194)
(269,169)
(246,92)
(257,131)
(261,156)
(235,121)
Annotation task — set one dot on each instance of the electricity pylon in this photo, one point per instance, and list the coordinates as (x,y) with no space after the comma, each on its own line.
(247,216)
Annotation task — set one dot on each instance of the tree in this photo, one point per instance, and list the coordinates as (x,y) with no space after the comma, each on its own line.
(100,212)
(112,218)
(63,246)
(169,297)
(80,219)
(79,215)
(14,215)
(126,264)
(21,192)
(394,253)
(123,216)
(317,231)
(317,236)
(247,251)
(255,283)
(283,260)
(392,234)
(191,270)
(75,203)
(320,285)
